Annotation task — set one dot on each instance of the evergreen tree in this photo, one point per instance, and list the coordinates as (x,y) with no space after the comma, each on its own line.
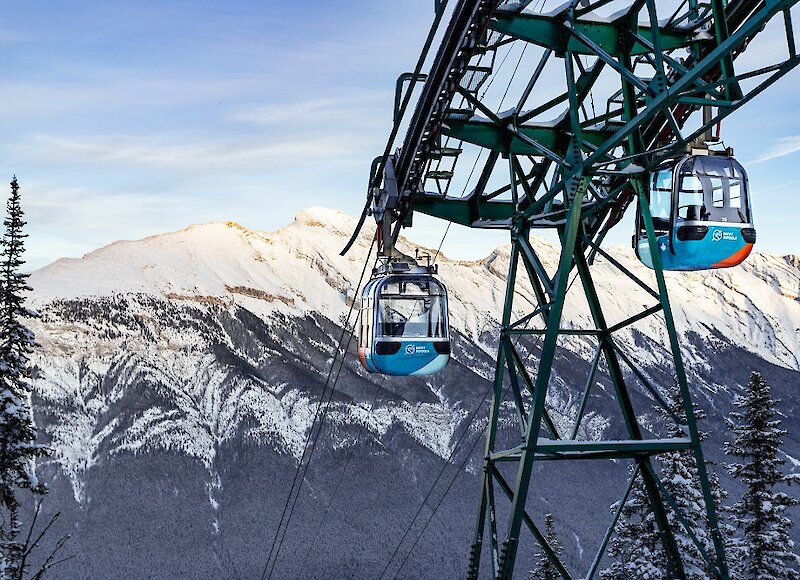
(681,478)
(767,549)
(544,569)
(636,546)
(18,447)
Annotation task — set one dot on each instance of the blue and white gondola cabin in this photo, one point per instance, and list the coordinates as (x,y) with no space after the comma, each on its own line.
(700,205)
(403,329)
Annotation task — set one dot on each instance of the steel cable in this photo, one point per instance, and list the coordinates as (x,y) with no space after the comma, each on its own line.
(483,429)
(447,463)
(313,542)
(277,544)
(400,113)
(444,467)
(469,454)
(436,481)
(447,490)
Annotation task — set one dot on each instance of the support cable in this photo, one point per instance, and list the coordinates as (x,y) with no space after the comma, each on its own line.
(439,249)
(446,491)
(375,179)
(458,471)
(513,74)
(436,481)
(311,440)
(444,467)
(322,522)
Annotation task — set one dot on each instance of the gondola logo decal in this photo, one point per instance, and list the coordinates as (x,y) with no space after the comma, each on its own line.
(417,349)
(718,235)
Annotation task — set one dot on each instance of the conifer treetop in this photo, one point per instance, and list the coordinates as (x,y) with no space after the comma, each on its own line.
(766,551)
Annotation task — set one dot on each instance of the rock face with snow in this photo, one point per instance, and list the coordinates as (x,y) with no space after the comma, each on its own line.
(178,377)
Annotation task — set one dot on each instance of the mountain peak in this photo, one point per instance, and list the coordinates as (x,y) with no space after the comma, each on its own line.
(220,262)
(326,218)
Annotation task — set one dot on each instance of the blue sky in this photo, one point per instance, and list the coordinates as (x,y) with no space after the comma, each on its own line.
(125,119)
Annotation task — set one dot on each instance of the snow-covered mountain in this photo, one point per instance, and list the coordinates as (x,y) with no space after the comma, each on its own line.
(178,376)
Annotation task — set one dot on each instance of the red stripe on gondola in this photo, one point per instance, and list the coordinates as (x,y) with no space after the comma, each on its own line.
(736,258)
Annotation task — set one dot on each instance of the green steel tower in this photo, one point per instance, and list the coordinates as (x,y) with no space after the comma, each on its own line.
(603,93)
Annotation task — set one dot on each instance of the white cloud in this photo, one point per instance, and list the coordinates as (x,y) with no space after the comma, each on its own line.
(333,110)
(71,221)
(780,186)
(191,152)
(123,96)
(784,146)
(88,211)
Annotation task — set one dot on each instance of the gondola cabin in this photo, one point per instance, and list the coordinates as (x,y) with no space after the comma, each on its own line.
(403,329)
(700,205)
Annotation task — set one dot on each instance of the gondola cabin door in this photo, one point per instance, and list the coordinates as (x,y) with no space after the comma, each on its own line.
(700,205)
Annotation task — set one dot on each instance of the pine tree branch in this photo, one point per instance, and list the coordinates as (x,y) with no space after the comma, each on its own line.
(49,562)
(27,545)
(43,532)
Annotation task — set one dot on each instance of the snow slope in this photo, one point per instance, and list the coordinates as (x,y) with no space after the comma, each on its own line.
(298,270)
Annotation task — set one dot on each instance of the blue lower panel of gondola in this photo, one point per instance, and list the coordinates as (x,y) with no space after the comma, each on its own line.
(719,247)
(410,358)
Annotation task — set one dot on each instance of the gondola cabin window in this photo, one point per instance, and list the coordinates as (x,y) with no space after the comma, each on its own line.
(364,334)
(411,308)
(712,189)
(661,199)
